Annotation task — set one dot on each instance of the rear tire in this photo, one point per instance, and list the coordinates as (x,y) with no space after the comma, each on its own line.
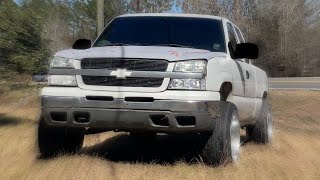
(52,141)
(223,145)
(262,131)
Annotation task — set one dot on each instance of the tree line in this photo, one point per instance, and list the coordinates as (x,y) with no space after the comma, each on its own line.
(287,31)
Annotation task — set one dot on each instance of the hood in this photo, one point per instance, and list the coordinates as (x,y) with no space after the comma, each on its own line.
(147,52)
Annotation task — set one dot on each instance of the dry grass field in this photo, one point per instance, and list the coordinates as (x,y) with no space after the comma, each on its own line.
(295,153)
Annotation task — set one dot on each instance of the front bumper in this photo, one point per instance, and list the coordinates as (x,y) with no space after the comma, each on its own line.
(168,116)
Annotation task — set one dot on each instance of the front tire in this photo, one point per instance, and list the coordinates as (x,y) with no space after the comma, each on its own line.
(223,145)
(52,141)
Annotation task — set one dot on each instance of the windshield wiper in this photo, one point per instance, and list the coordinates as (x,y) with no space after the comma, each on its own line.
(138,44)
(120,44)
(174,45)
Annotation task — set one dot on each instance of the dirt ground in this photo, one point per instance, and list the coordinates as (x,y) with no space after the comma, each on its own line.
(294,153)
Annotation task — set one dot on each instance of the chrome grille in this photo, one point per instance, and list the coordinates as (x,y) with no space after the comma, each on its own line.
(128,82)
(129,64)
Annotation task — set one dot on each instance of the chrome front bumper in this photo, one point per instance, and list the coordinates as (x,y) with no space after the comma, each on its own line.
(120,115)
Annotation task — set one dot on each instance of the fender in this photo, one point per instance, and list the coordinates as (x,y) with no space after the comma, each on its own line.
(220,70)
(262,82)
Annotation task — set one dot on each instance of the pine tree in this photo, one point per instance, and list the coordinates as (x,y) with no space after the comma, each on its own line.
(22,47)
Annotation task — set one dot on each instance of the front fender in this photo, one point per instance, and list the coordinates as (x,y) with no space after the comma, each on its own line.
(220,70)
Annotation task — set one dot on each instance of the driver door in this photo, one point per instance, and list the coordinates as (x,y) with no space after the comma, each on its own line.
(249,74)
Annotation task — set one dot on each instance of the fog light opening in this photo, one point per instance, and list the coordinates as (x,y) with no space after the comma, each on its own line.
(59,116)
(186,120)
(81,117)
(160,120)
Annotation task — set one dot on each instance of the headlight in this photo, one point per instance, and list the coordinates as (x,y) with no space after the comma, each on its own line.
(62,80)
(59,62)
(192,66)
(195,66)
(191,84)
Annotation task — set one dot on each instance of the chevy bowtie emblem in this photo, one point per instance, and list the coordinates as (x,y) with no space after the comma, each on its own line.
(121,73)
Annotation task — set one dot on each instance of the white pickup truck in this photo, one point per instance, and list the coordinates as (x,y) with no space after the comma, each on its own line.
(158,73)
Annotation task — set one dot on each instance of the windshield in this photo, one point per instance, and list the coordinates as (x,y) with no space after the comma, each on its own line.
(196,33)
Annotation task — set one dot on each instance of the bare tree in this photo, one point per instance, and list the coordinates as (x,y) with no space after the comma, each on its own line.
(213,7)
(287,31)
(150,6)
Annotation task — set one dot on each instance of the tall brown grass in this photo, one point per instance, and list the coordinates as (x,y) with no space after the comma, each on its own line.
(294,153)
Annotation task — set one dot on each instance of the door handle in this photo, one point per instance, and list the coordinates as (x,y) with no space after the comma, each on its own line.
(247,74)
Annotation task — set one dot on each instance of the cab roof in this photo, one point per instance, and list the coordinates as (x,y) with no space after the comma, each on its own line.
(172,15)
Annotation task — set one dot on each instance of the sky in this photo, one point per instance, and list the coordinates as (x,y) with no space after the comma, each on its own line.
(18,1)
(175,8)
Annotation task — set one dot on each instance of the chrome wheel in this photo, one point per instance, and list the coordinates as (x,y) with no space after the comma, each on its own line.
(235,136)
(269,126)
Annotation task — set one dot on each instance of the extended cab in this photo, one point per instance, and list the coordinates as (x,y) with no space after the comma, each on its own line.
(158,73)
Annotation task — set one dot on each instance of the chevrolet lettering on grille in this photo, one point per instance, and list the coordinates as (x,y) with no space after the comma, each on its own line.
(121,73)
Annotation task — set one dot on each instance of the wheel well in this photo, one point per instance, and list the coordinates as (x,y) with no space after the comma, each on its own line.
(225,90)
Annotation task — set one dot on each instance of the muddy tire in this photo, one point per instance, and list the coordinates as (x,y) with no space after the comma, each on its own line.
(223,145)
(262,131)
(52,141)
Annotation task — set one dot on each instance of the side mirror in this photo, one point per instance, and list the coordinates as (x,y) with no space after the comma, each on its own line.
(82,44)
(247,50)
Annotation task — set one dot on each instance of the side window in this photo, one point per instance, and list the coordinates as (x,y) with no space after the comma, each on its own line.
(241,39)
(239,35)
(232,39)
